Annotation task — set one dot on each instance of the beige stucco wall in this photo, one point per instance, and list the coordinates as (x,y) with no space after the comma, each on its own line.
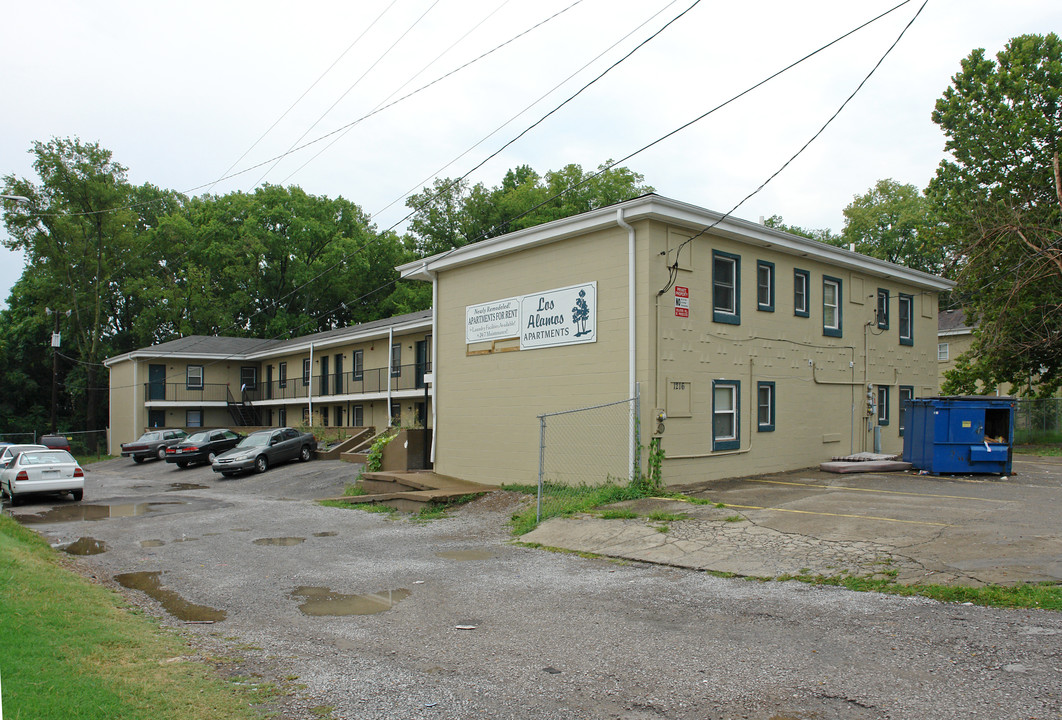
(126,405)
(488,404)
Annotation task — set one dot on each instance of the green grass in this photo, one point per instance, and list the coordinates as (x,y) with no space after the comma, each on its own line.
(1041,450)
(618,514)
(662,516)
(734,518)
(1045,596)
(354,490)
(366,507)
(565,501)
(70,648)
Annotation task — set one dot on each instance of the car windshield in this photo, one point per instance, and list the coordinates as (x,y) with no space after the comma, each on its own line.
(255,440)
(149,437)
(199,437)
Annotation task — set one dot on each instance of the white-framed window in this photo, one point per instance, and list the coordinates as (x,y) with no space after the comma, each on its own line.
(193,418)
(765,286)
(726,414)
(726,288)
(248,378)
(831,306)
(396,360)
(906,394)
(282,375)
(359,415)
(765,406)
(883,404)
(801,283)
(193,378)
(942,352)
(883,309)
(306,371)
(906,308)
(359,364)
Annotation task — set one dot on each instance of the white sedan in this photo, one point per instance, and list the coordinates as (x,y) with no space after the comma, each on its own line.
(42,471)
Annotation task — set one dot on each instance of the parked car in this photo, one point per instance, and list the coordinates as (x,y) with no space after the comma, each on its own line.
(8,452)
(202,447)
(42,471)
(56,442)
(151,444)
(261,449)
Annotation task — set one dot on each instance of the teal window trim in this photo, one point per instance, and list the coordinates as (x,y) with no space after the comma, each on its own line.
(801,293)
(906,393)
(764,271)
(906,313)
(883,309)
(728,315)
(883,404)
(731,441)
(765,421)
(829,330)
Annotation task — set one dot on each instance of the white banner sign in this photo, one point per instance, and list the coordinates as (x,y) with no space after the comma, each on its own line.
(566,316)
(492,321)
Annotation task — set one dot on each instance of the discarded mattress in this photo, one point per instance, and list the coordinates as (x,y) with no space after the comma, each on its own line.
(861,466)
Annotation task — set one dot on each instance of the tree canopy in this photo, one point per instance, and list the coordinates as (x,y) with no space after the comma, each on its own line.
(891,222)
(999,201)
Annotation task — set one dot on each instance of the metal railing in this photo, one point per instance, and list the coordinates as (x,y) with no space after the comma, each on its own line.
(374,380)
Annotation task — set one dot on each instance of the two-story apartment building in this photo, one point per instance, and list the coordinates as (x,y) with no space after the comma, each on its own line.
(365,375)
(754,350)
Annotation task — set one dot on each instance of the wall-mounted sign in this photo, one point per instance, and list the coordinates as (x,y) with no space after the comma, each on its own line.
(682,301)
(566,316)
(492,321)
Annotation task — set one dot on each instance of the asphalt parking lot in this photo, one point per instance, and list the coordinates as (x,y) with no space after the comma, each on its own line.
(361,615)
(968,530)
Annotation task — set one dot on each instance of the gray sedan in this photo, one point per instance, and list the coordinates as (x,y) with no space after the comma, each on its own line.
(259,450)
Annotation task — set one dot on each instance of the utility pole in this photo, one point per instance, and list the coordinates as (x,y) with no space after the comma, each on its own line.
(56,342)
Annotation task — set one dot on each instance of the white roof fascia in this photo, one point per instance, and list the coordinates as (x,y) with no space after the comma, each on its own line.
(955,331)
(655,207)
(375,334)
(155,355)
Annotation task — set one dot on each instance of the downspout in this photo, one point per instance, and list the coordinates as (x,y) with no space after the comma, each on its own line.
(631,356)
(390,360)
(309,390)
(434,355)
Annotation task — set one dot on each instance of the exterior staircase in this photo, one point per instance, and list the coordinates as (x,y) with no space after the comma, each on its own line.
(243,413)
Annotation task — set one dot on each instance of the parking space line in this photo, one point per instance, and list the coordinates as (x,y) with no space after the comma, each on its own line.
(860,517)
(882,492)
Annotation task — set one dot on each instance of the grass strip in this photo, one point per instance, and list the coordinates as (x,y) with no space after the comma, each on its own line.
(69,648)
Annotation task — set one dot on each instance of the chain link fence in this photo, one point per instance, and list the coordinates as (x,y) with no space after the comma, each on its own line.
(586,447)
(19,438)
(1038,421)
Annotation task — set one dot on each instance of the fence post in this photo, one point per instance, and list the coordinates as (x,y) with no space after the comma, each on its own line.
(541,463)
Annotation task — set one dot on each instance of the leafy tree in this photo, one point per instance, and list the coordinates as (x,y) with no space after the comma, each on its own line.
(824,235)
(450,214)
(1000,199)
(76,233)
(890,222)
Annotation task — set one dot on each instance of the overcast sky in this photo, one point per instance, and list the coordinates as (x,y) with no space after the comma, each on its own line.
(180,91)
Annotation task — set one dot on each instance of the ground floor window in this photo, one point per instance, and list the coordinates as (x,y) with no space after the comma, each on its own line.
(359,415)
(282,417)
(726,415)
(339,416)
(765,406)
(396,414)
(193,418)
(906,394)
(883,404)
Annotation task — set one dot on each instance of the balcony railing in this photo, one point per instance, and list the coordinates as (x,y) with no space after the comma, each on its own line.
(375,380)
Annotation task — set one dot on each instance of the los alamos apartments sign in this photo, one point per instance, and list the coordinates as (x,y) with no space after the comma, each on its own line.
(565,316)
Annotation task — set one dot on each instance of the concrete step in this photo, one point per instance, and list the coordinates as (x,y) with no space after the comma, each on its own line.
(412,491)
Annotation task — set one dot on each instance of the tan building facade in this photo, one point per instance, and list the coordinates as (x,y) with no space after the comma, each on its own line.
(368,375)
(754,350)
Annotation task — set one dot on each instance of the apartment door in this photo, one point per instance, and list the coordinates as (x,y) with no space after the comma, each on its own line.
(156,382)
(339,375)
(423,359)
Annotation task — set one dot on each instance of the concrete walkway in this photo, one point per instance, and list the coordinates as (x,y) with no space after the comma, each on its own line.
(968,530)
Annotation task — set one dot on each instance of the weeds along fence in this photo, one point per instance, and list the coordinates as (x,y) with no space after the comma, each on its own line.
(586,447)
(1038,420)
(19,438)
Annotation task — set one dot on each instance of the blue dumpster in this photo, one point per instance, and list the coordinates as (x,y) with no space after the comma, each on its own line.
(960,434)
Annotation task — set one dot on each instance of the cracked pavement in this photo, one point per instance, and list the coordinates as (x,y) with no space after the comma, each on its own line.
(968,530)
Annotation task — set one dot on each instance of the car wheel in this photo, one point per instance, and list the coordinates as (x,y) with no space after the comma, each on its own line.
(161,453)
(3,491)
(182,464)
(15,500)
(77,494)
(261,464)
(304,454)
(137,459)
(210,457)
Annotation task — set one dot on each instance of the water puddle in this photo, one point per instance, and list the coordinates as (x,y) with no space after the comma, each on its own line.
(281,541)
(174,604)
(320,601)
(240,529)
(328,533)
(151,543)
(185,538)
(464,555)
(86,546)
(74,513)
(176,487)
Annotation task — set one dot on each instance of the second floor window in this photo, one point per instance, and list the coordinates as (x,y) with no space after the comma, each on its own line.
(831,307)
(906,320)
(194,377)
(282,373)
(396,360)
(306,371)
(359,364)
